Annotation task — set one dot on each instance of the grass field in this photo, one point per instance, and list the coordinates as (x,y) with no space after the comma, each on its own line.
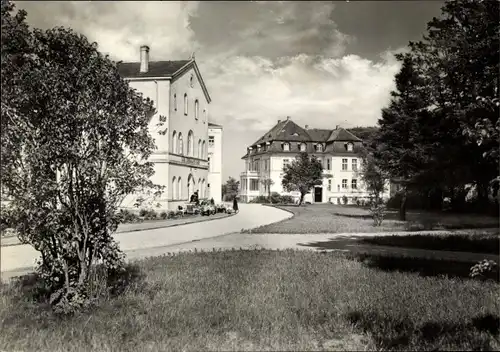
(264,300)
(329,218)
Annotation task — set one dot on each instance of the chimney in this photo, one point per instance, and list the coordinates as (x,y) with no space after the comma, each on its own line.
(279,121)
(337,127)
(288,118)
(144,59)
(307,127)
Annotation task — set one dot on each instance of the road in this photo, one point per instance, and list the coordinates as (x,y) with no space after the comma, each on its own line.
(21,258)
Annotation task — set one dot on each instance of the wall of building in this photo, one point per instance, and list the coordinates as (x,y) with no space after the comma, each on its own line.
(215,164)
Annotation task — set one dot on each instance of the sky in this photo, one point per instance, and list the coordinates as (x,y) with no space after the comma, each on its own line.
(323,63)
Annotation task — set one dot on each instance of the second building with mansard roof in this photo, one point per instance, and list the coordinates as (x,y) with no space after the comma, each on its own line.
(180,126)
(338,150)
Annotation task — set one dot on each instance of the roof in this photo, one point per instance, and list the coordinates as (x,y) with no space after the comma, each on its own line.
(319,135)
(341,134)
(155,68)
(210,124)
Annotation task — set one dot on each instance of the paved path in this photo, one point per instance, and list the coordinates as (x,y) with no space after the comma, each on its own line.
(21,258)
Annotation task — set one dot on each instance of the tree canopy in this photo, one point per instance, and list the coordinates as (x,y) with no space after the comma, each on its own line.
(75,141)
(230,189)
(441,127)
(302,174)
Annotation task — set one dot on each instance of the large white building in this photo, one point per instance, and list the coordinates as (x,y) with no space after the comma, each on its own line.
(180,98)
(337,149)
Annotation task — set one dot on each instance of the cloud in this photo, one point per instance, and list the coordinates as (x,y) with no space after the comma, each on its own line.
(260,60)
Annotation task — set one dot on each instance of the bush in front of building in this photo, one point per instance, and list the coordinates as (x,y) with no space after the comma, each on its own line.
(275,198)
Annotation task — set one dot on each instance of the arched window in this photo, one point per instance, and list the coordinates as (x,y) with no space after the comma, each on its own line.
(175,102)
(190,145)
(203,151)
(198,152)
(179,188)
(185,104)
(180,147)
(174,188)
(204,188)
(302,147)
(199,188)
(205,115)
(190,186)
(286,147)
(174,142)
(196,109)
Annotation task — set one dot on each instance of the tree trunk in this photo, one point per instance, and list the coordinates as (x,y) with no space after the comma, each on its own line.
(301,198)
(402,206)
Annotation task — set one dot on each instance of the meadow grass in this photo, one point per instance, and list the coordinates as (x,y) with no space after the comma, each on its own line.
(264,300)
(330,218)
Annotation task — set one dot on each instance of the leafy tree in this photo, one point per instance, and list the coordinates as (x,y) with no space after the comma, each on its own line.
(375,181)
(75,142)
(365,133)
(267,183)
(302,174)
(230,189)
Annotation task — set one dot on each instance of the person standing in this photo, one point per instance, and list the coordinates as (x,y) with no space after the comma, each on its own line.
(235,205)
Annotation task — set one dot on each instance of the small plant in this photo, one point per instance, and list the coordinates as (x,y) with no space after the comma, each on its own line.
(143,212)
(377,210)
(483,268)
(163,215)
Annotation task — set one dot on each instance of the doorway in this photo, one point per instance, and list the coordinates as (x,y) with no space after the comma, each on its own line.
(318,194)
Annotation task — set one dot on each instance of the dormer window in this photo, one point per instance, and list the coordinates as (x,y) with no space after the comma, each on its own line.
(285,147)
(258,148)
(319,147)
(349,147)
(302,147)
(295,134)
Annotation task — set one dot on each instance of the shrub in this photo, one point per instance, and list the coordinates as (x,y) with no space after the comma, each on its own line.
(260,200)
(143,212)
(163,215)
(483,268)
(344,199)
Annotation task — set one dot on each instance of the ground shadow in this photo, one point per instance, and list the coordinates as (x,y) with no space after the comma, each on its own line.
(390,258)
(393,334)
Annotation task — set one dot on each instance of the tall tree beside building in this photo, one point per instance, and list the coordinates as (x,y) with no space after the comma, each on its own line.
(230,189)
(75,141)
(302,174)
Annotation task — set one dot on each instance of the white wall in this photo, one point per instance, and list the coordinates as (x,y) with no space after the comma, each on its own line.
(215,168)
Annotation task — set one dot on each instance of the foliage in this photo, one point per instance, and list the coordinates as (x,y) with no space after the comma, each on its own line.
(344,199)
(375,182)
(274,198)
(267,183)
(483,268)
(365,133)
(440,131)
(230,189)
(75,142)
(302,174)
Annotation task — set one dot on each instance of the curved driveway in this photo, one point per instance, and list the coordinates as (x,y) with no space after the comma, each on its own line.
(21,258)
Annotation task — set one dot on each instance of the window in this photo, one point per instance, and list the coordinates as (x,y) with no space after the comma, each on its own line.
(180,147)
(175,102)
(196,109)
(174,142)
(190,145)
(179,188)
(354,164)
(354,184)
(191,81)
(338,188)
(257,165)
(286,147)
(198,153)
(174,188)
(254,184)
(258,148)
(211,141)
(328,164)
(329,185)
(205,116)
(203,150)
(344,183)
(285,163)
(319,147)
(185,104)
(344,164)
(302,147)
(209,165)
(265,165)
(349,147)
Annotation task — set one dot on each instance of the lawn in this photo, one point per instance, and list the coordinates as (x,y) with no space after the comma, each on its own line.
(329,218)
(266,300)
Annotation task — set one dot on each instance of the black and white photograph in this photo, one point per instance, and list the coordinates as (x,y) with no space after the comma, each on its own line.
(250,176)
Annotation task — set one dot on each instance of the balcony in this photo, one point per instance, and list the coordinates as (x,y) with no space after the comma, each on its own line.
(188,161)
(250,173)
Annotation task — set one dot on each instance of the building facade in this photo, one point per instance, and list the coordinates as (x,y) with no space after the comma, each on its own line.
(338,150)
(215,162)
(179,126)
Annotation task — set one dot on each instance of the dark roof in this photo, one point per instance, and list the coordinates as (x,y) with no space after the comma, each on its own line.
(341,134)
(210,124)
(319,135)
(155,68)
